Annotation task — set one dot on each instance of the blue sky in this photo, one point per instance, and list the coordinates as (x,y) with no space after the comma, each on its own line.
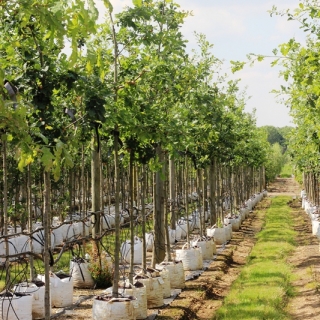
(237,28)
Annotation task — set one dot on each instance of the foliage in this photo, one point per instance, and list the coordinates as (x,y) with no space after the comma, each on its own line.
(275,163)
(100,273)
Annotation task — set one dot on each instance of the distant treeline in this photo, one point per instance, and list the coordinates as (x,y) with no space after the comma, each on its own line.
(278,135)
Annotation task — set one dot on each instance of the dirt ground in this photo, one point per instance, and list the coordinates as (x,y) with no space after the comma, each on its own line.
(205,294)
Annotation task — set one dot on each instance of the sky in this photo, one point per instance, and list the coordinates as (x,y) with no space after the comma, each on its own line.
(237,28)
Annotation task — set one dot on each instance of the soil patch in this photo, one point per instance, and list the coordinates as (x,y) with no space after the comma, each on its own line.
(306,270)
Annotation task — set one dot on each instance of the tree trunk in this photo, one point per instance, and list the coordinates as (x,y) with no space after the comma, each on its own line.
(117,215)
(158,216)
(47,243)
(131,198)
(172,187)
(95,190)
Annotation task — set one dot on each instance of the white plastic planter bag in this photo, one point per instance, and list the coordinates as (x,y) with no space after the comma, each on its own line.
(191,258)
(246,211)
(183,227)
(125,251)
(172,235)
(107,221)
(70,232)
(60,234)
(195,220)
(242,216)
(37,292)
(12,244)
(228,231)
(154,290)
(21,243)
(208,248)
(77,229)
(235,222)
(249,204)
(315,226)
(16,307)
(178,233)
(155,293)
(164,274)
(218,234)
(86,225)
(114,308)
(139,291)
(61,288)
(149,241)
(176,273)
(80,273)
(38,241)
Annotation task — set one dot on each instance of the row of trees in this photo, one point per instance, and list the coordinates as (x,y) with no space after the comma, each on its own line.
(300,62)
(127,98)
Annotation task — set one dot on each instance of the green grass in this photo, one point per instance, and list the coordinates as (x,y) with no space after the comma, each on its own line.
(262,289)
(287,170)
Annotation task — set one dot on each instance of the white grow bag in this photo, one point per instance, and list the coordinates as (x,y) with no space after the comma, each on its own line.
(38,309)
(59,234)
(176,273)
(125,251)
(172,235)
(107,221)
(12,244)
(149,241)
(249,204)
(235,222)
(16,307)
(178,233)
(115,309)
(61,288)
(164,273)
(195,220)
(242,216)
(218,234)
(315,226)
(38,241)
(154,290)
(21,243)
(139,291)
(228,231)
(80,274)
(183,227)
(246,211)
(191,258)
(208,247)
(77,228)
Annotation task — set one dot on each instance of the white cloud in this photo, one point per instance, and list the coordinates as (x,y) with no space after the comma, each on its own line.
(217,21)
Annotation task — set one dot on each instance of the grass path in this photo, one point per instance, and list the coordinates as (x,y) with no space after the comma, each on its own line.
(264,285)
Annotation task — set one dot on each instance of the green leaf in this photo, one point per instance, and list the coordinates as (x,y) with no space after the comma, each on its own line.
(40,135)
(47,158)
(67,158)
(237,66)
(137,3)
(108,5)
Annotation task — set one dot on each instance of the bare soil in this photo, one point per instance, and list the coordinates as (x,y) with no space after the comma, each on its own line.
(306,270)
(204,295)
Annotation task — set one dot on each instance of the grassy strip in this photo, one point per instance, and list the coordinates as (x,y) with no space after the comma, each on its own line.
(262,289)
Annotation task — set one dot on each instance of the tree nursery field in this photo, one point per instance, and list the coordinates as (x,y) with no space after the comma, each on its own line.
(134,183)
